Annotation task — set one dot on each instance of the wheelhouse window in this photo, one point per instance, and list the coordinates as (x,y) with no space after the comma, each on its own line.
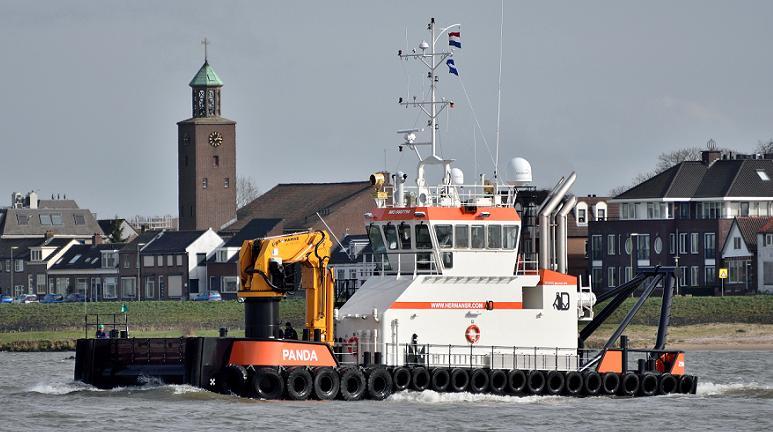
(494,239)
(423,239)
(376,241)
(511,236)
(444,234)
(478,235)
(461,236)
(404,231)
(390,234)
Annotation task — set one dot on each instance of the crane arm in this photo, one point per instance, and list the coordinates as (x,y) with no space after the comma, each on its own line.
(262,269)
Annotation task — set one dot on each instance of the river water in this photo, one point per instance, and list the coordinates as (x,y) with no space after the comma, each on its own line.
(37,393)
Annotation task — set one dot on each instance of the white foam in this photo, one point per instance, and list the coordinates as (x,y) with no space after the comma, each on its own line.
(712,389)
(184,389)
(61,388)
(433,397)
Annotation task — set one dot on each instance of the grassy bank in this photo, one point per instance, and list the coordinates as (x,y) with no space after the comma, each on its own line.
(31,327)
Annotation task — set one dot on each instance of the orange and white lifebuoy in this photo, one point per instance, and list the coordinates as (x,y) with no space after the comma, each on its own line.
(472,334)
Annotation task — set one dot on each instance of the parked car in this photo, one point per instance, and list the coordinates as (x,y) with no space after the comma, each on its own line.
(208,296)
(75,297)
(52,298)
(26,298)
(6,299)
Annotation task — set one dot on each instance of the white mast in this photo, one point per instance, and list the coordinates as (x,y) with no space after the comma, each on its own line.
(432,60)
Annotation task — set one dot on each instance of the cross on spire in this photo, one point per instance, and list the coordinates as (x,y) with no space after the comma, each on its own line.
(205,42)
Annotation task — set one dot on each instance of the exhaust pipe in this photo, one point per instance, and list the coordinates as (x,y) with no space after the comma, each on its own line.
(561,234)
(544,219)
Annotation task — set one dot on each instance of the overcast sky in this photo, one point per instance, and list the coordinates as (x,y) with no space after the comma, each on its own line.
(92,91)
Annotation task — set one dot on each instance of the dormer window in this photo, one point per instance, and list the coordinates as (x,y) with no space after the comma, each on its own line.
(763,175)
(581,216)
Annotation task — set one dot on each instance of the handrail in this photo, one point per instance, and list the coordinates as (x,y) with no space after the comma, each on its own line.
(493,195)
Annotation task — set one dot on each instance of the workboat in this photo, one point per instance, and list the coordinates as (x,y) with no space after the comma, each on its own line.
(453,305)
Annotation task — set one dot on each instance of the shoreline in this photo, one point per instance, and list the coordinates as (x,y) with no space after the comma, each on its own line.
(698,337)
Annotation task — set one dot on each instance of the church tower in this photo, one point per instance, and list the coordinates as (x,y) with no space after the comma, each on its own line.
(206,163)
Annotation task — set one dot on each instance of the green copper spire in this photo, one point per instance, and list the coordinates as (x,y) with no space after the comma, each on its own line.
(206,77)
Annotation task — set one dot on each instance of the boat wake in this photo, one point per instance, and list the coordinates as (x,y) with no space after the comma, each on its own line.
(433,397)
(753,390)
(72,387)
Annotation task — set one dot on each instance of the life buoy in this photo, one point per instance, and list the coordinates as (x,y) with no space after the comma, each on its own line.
(472,334)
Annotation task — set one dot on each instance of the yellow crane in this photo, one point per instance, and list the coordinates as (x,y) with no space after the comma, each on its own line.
(262,265)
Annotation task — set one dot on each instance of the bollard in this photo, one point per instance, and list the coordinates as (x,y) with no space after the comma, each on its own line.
(624,347)
(377,358)
(305,335)
(366,358)
(317,335)
(223,332)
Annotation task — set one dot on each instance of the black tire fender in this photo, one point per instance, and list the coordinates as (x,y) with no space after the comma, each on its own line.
(574,383)
(497,381)
(478,380)
(379,383)
(353,384)
(401,378)
(610,383)
(459,380)
(299,383)
(420,378)
(535,381)
(233,380)
(591,383)
(667,384)
(516,381)
(648,384)
(326,383)
(267,383)
(440,380)
(555,382)
(629,384)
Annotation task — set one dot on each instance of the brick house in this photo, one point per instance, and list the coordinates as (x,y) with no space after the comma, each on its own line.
(88,269)
(739,254)
(172,264)
(681,217)
(24,264)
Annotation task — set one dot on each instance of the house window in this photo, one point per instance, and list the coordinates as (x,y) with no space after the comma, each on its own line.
(230,284)
(150,287)
(79,219)
(45,219)
(694,243)
(204,183)
(581,217)
(611,244)
(672,243)
(215,161)
(56,218)
(36,255)
(169,261)
(767,273)
(601,214)
(62,285)
(643,246)
(682,276)
(628,273)
(597,277)
(694,275)
(23,219)
(161,286)
(744,209)
(682,243)
(768,239)
(160,261)
(109,259)
(736,271)
(179,259)
(148,261)
(222,256)
(710,275)
(736,243)
(126,262)
(201,259)
(226,182)
(658,245)
(709,250)
(612,277)
(595,247)
(110,288)
(40,284)
(18,265)
(82,285)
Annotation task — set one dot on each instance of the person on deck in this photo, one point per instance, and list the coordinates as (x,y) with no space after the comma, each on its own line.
(101,332)
(290,332)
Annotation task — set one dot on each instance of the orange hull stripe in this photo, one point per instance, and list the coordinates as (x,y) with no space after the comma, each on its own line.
(550,277)
(455,305)
(678,367)
(499,214)
(280,353)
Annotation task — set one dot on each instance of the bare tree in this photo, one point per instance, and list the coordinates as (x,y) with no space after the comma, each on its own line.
(246,191)
(764,146)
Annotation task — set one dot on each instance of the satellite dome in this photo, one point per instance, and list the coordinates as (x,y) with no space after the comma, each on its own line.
(457,176)
(518,171)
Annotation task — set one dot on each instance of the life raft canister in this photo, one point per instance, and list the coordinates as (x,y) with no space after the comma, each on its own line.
(472,334)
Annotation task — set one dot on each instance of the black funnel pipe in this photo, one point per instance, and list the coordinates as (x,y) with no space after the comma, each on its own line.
(261,317)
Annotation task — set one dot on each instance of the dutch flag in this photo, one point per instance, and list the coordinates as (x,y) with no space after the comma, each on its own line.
(454,39)
(452,67)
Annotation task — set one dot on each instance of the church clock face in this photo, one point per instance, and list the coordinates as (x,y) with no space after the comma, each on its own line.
(215,139)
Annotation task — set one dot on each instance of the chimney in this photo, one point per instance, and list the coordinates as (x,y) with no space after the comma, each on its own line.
(49,234)
(709,156)
(96,239)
